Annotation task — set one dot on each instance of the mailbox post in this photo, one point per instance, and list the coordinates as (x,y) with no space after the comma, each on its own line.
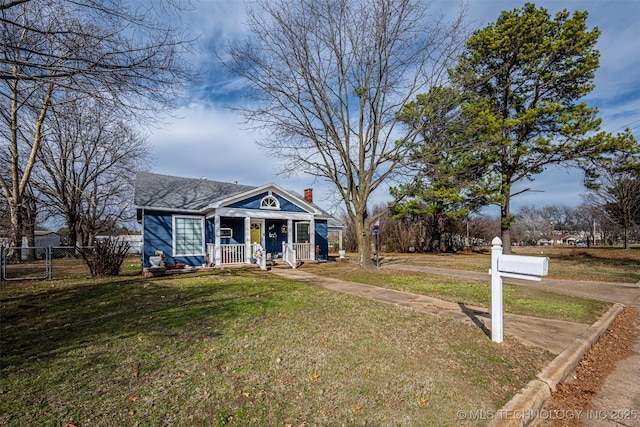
(497,314)
(515,266)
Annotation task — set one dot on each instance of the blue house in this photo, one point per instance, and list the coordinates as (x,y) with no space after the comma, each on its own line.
(198,222)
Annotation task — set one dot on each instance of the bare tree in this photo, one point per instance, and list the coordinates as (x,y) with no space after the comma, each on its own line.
(403,234)
(530,225)
(586,218)
(106,50)
(618,197)
(350,240)
(88,160)
(482,230)
(327,78)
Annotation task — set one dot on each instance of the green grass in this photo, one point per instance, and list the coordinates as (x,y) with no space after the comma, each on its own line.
(516,299)
(240,348)
(609,264)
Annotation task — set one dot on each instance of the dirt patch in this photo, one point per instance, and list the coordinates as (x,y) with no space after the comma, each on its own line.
(577,253)
(598,362)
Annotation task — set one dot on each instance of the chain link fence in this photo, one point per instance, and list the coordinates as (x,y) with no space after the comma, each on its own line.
(38,263)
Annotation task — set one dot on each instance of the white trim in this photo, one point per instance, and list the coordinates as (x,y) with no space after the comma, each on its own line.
(287,195)
(270,197)
(217,256)
(247,239)
(170,210)
(173,233)
(261,214)
(312,238)
(295,237)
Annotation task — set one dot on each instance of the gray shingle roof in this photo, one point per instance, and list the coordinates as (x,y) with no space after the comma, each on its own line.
(193,194)
(172,192)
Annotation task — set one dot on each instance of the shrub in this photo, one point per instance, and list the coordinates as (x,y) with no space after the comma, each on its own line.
(106,257)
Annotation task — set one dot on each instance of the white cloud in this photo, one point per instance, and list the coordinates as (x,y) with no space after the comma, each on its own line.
(209,141)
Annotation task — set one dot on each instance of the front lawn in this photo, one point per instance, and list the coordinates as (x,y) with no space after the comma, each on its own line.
(517,299)
(240,347)
(608,264)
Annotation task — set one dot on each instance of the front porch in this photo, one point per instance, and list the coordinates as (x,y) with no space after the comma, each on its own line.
(254,253)
(242,237)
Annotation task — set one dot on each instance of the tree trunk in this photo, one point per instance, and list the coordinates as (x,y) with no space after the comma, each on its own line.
(505,224)
(364,242)
(72,227)
(30,233)
(436,234)
(29,224)
(15,234)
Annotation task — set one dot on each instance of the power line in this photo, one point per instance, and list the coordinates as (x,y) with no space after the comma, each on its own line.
(628,125)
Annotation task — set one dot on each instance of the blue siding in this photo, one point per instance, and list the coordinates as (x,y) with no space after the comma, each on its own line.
(287,206)
(157,235)
(274,236)
(158,229)
(322,240)
(254,203)
(237,226)
(209,231)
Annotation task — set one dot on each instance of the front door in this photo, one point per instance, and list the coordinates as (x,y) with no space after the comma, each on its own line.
(256,232)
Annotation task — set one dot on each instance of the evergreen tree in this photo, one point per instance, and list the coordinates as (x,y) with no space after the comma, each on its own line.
(527,73)
(447,162)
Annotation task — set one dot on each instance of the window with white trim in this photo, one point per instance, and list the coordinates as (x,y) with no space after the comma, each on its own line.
(188,235)
(303,234)
(269,202)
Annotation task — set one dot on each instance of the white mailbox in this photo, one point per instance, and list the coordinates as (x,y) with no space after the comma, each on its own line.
(523,265)
(519,267)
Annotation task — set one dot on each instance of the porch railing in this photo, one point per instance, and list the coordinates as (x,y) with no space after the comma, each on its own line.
(237,253)
(303,251)
(229,254)
(233,253)
(289,255)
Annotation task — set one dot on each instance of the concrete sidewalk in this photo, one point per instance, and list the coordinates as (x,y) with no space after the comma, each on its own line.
(623,293)
(566,339)
(554,335)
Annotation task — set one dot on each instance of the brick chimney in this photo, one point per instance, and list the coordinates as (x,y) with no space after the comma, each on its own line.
(308,195)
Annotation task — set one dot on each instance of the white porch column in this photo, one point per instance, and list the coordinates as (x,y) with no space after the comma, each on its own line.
(312,237)
(217,249)
(247,239)
(340,250)
(290,232)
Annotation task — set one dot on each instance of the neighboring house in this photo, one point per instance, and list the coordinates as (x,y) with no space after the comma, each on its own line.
(42,240)
(134,241)
(197,222)
(557,240)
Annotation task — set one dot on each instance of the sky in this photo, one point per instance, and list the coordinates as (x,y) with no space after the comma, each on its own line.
(204,138)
